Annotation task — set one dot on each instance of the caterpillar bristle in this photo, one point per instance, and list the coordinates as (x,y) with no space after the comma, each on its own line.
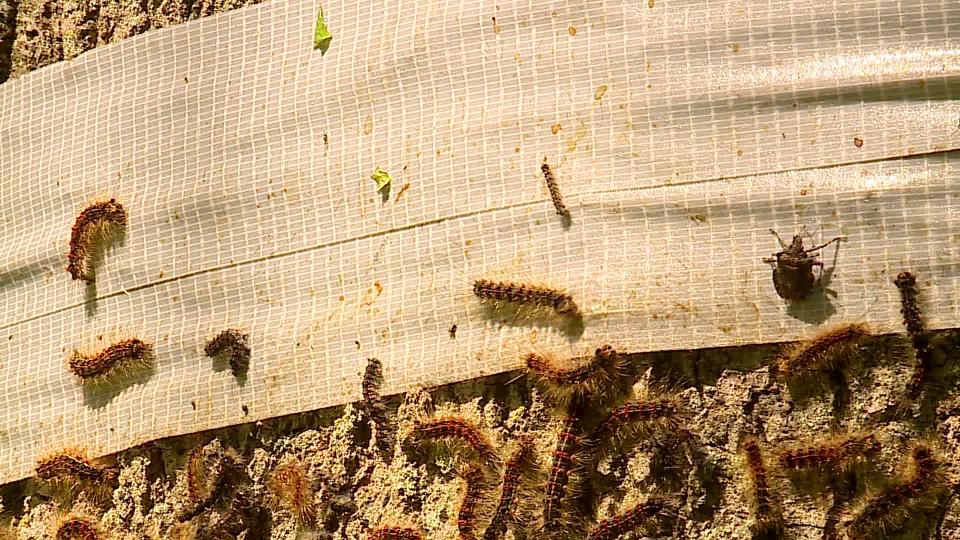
(913,321)
(768,520)
(524,294)
(94,225)
(457,431)
(600,376)
(828,350)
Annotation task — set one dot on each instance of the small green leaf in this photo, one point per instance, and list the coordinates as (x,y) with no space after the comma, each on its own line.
(321,36)
(382,178)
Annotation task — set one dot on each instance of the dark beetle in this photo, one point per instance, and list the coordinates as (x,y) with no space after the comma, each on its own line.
(793,275)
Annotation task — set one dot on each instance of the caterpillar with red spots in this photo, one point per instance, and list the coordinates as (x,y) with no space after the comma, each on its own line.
(554,190)
(520,463)
(78,528)
(913,321)
(598,377)
(456,430)
(73,465)
(829,454)
(634,421)
(564,461)
(96,223)
(522,294)
(828,350)
(642,515)
(768,521)
(916,490)
(373,404)
(113,360)
(475,489)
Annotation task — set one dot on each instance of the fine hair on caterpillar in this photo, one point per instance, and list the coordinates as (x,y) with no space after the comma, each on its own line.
(566,470)
(475,494)
(77,527)
(290,488)
(532,297)
(71,466)
(829,454)
(459,433)
(374,406)
(642,517)
(114,361)
(768,520)
(95,226)
(913,321)
(519,469)
(634,421)
(916,489)
(834,348)
(578,379)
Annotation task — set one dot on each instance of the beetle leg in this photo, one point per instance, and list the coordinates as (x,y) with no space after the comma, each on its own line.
(773,232)
(821,246)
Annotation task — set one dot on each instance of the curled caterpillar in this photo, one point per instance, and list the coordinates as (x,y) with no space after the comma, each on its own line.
(95,223)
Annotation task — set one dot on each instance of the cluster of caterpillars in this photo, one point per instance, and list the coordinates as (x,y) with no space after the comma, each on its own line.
(512,490)
(887,503)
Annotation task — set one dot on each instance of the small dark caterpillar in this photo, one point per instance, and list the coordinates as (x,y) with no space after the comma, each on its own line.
(598,377)
(95,223)
(233,344)
(917,490)
(123,354)
(78,528)
(519,293)
(913,321)
(612,528)
(555,192)
(829,454)
(768,520)
(452,428)
(207,472)
(71,464)
(520,461)
(373,403)
(395,533)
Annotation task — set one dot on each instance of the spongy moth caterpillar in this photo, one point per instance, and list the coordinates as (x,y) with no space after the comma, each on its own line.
(373,404)
(520,462)
(916,490)
(564,457)
(640,515)
(913,321)
(829,454)
(474,490)
(207,472)
(395,533)
(598,377)
(768,521)
(95,223)
(526,294)
(124,354)
(636,420)
(461,430)
(231,343)
(72,465)
(78,528)
(290,486)
(828,350)
(554,190)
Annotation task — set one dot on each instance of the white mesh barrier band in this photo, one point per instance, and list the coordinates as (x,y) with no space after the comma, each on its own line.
(679,131)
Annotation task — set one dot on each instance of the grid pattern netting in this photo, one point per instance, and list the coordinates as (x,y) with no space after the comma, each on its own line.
(680,132)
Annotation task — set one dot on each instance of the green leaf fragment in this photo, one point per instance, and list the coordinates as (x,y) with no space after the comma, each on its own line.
(382,178)
(321,36)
